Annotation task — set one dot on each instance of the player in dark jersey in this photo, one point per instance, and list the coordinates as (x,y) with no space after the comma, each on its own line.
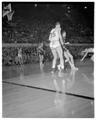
(19,58)
(68,56)
(41,53)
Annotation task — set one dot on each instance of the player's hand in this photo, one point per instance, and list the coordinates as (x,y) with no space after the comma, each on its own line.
(67,43)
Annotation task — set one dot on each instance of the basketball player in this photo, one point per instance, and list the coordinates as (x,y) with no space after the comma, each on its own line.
(19,58)
(68,56)
(86,51)
(41,54)
(55,39)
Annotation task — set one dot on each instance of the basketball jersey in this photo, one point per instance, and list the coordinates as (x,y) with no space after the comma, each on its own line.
(54,38)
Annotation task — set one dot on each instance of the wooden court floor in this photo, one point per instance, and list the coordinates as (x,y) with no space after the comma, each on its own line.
(32,94)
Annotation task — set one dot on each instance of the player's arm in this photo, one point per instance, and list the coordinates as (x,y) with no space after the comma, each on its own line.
(64,36)
(64,40)
(50,37)
(61,40)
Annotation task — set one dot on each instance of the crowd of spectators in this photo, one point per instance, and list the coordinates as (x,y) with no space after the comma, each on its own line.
(29,55)
(36,31)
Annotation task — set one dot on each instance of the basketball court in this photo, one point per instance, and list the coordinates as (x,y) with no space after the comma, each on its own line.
(29,92)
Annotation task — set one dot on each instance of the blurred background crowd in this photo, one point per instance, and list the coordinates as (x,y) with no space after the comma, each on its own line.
(32,23)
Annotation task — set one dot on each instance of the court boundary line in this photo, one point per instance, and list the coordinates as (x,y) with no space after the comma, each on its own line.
(70,94)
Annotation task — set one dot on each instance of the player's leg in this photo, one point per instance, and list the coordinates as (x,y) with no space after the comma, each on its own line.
(71,60)
(21,64)
(66,56)
(68,59)
(41,61)
(54,58)
(60,54)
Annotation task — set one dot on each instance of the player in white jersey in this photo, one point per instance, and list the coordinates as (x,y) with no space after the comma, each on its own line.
(55,39)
